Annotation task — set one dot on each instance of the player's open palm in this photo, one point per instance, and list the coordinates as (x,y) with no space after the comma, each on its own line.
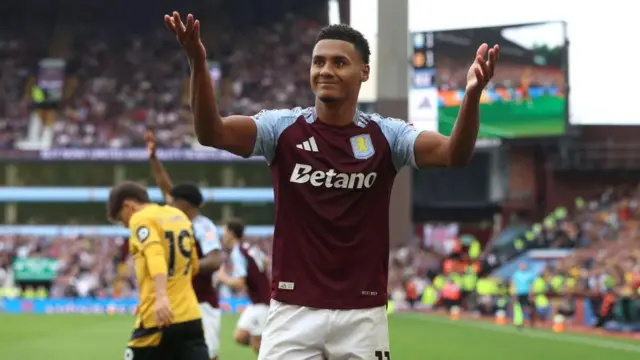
(188,35)
(150,141)
(483,68)
(164,316)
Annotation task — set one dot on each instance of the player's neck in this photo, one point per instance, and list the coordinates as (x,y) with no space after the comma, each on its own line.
(144,205)
(191,214)
(337,114)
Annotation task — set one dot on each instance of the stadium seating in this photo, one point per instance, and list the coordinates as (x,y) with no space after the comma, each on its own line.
(121,82)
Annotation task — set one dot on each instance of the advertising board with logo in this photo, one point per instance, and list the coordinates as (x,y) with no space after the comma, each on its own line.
(96,306)
(35,269)
(423,108)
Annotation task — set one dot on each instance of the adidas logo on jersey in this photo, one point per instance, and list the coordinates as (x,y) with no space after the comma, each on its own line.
(308,145)
(303,174)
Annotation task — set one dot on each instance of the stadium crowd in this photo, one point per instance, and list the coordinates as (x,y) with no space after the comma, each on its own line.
(21,47)
(86,267)
(604,266)
(120,82)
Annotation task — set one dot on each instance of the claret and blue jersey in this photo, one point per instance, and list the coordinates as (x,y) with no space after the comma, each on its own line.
(206,235)
(332,187)
(249,262)
(399,136)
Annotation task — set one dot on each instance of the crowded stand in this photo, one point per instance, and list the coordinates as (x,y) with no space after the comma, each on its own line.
(118,89)
(22,45)
(117,84)
(85,267)
(108,108)
(588,252)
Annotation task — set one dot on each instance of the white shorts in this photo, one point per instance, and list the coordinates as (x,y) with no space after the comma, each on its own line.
(253,319)
(211,325)
(298,332)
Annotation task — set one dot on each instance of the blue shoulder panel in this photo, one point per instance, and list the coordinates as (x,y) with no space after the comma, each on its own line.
(401,137)
(206,234)
(271,124)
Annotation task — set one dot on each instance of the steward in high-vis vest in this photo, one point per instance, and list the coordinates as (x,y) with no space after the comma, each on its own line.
(468,282)
(502,297)
(430,297)
(439,281)
(541,301)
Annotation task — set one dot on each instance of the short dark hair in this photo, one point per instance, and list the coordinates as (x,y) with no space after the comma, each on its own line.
(189,193)
(126,190)
(347,33)
(236,226)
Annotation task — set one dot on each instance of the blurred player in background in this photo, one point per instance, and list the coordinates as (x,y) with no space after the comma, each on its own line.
(189,199)
(333,168)
(168,322)
(525,84)
(522,282)
(249,273)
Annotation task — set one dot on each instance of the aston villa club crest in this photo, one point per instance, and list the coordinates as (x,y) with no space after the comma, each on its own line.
(362,146)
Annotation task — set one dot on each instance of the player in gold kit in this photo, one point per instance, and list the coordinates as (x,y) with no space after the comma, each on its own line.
(168,323)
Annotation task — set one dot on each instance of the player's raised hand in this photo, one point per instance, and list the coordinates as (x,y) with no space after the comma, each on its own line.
(483,68)
(188,35)
(151,144)
(163,313)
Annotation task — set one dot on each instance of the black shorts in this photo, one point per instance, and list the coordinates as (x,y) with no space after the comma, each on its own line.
(524,301)
(182,341)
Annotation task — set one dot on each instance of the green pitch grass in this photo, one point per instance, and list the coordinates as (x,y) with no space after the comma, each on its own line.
(413,337)
(544,117)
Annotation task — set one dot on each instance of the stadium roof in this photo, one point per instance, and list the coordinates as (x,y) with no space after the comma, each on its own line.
(460,44)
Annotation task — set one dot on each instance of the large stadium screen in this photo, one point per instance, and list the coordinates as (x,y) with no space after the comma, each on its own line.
(527,96)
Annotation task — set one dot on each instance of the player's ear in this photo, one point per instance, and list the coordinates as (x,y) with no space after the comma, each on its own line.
(128,204)
(364,74)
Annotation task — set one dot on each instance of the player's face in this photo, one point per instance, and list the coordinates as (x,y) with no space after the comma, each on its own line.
(336,71)
(227,239)
(127,211)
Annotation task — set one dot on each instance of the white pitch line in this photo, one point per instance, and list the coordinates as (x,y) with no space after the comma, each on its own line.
(533,333)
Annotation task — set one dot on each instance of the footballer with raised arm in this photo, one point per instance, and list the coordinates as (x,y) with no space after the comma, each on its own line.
(168,323)
(333,168)
(188,198)
(249,273)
